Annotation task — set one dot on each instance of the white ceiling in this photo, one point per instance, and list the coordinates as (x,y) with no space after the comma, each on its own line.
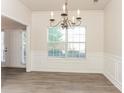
(55,5)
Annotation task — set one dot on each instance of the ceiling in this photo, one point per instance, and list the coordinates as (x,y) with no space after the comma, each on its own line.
(9,24)
(56,5)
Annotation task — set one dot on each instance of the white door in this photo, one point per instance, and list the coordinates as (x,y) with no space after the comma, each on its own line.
(4,48)
(16,59)
(13,49)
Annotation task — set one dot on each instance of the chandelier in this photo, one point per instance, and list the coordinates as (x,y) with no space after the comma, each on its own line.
(65,22)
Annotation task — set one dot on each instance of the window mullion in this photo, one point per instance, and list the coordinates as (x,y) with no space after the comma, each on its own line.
(66,42)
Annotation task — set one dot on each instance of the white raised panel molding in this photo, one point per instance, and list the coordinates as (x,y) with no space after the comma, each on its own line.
(93,63)
(113,69)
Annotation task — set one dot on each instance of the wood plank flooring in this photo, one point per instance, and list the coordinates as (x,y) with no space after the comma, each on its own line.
(18,81)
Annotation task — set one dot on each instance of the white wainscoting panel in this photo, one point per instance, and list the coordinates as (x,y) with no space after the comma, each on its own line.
(113,69)
(93,63)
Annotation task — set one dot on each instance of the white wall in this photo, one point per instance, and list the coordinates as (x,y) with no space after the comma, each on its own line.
(113,42)
(93,63)
(16,10)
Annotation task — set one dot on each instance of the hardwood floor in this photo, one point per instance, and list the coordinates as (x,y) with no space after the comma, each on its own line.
(18,81)
(3,75)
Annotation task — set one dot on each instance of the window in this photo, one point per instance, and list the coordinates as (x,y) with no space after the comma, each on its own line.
(70,43)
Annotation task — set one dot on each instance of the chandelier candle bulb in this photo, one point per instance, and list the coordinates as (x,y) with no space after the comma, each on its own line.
(78,13)
(52,14)
(64,8)
(73,19)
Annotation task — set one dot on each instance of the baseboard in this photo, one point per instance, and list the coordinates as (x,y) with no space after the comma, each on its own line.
(113,81)
(43,69)
(14,67)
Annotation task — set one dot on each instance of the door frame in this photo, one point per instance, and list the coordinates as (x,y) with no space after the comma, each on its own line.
(28,46)
(28,49)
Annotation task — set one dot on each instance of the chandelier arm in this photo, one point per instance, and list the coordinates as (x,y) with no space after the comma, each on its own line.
(79,23)
(70,23)
(57,24)
(75,23)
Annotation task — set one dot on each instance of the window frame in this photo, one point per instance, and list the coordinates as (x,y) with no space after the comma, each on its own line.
(66,47)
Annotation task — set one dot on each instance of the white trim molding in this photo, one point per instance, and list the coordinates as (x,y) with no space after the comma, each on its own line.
(113,69)
(28,49)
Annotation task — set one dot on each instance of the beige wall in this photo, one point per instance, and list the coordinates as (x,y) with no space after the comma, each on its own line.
(113,28)
(93,20)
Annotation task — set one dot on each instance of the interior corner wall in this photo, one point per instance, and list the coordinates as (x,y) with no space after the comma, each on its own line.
(93,63)
(113,42)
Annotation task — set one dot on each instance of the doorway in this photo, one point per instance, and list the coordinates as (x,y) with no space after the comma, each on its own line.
(14,43)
